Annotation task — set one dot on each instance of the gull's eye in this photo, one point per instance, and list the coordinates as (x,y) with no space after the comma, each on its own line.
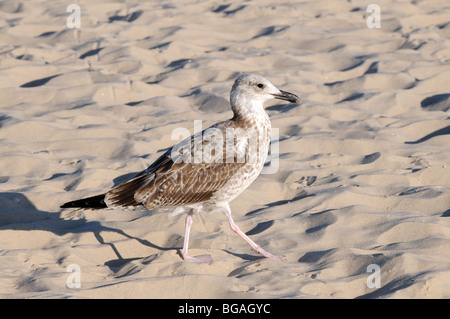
(260,85)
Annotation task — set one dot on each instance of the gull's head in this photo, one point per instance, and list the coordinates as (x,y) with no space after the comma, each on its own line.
(250,91)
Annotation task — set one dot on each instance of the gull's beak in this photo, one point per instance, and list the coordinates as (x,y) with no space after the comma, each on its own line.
(290,97)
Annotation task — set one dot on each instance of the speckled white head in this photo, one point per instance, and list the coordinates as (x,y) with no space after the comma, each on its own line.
(250,91)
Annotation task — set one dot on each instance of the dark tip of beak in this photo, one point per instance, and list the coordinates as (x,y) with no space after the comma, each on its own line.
(287,96)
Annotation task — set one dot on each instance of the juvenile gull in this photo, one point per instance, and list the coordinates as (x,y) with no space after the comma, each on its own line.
(207,170)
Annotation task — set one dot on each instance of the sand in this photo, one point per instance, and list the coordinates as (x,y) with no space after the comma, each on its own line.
(359,205)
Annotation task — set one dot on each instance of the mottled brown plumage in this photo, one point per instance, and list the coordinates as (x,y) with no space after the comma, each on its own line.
(208,169)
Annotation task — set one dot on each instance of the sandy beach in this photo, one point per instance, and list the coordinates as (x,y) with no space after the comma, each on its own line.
(359,204)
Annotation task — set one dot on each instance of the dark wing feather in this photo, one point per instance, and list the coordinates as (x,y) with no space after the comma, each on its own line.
(186,184)
(94,202)
(174,180)
(123,194)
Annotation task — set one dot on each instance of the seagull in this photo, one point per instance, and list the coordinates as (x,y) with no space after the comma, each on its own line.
(207,170)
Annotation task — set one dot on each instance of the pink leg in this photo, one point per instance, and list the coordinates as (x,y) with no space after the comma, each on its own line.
(202,259)
(254,246)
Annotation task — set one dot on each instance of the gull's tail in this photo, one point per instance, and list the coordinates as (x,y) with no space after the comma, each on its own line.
(94,202)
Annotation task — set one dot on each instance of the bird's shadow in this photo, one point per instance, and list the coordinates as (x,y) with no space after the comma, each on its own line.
(17,212)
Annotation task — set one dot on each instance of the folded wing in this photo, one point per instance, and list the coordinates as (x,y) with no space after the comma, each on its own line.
(188,173)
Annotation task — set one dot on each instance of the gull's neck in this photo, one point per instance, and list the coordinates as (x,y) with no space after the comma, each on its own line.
(250,112)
